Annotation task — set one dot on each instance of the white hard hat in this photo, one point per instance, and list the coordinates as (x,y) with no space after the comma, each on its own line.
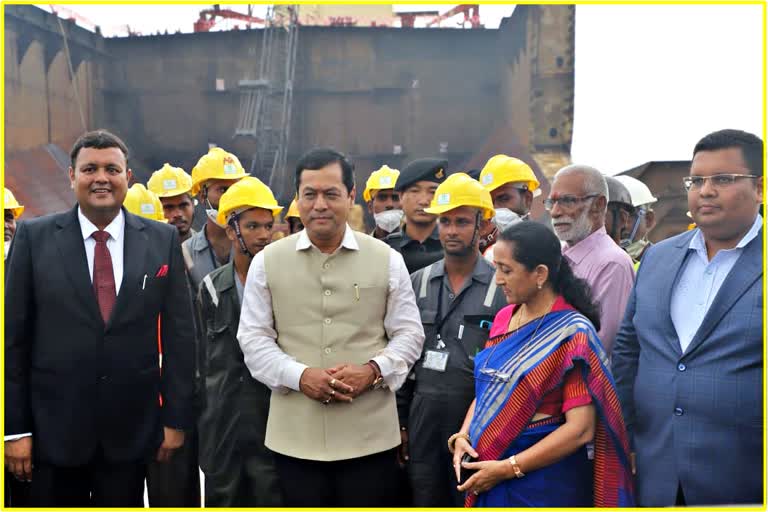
(640,193)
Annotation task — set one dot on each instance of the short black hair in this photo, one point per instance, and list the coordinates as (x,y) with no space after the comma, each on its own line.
(99,139)
(318,158)
(751,146)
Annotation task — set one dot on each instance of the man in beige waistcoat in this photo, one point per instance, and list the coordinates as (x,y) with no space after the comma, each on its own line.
(329,322)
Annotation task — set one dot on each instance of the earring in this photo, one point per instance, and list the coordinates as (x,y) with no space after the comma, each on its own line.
(539,286)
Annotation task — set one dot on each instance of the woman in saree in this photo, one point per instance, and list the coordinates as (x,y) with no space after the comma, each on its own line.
(545,427)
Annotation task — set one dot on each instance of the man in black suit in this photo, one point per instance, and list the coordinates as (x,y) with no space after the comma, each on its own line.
(86,400)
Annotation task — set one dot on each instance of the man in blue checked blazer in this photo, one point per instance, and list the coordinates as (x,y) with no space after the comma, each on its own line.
(688,359)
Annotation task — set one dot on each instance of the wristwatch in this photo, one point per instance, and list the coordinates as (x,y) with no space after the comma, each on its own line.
(378,381)
(516,467)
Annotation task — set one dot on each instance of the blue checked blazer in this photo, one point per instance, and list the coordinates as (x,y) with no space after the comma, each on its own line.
(695,417)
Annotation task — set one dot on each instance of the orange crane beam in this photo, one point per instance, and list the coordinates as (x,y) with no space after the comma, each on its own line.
(471,15)
(207,19)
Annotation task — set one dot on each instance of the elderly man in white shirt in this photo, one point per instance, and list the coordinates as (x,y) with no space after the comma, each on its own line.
(329,322)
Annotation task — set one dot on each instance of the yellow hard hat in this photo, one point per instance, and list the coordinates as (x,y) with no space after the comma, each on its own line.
(10,203)
(502,169)
(170,181)
(216,165)
(144,203)
(460,189)
(293,211)
(382,179)
(247,193)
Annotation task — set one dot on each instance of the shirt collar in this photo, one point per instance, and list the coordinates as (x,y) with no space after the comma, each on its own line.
(483,271)
(348,242)
(114,228)
(405,239)
(580,250)
(698,244)
(199,241)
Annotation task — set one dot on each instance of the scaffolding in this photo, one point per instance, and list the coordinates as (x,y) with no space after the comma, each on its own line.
(265,103)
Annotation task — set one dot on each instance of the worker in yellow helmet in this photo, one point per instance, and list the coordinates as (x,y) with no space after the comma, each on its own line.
(383,201)
(239,470)
(458,299)
(293,219)
(511,182)
(207,250)
(144,203)
(513,185)
(13,211)
(174,188)
(173,483)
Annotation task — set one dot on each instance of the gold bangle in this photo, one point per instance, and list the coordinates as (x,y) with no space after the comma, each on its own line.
(516,467)
(453,438)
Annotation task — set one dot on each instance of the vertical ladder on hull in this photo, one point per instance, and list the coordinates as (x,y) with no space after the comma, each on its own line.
(266,103)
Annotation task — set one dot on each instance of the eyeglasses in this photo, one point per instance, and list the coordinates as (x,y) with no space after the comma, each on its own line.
(717,180)
(491,375)
(566,202)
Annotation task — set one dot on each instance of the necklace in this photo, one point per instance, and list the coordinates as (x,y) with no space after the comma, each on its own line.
(494,374)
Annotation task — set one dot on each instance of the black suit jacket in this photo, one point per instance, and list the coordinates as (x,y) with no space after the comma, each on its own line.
(76,383)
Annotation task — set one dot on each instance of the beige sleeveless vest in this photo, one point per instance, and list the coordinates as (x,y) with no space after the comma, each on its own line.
(322,319)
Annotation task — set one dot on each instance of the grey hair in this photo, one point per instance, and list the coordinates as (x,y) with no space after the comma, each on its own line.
(594,181)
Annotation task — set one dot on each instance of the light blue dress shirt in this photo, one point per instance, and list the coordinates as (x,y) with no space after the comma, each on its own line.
(700,281)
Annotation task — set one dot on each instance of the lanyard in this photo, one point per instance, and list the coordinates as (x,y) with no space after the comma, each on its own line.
(212,254)
(213,257)
(439,318)
(210,248)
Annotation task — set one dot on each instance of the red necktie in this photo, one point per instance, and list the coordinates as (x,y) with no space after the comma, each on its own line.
(103,277)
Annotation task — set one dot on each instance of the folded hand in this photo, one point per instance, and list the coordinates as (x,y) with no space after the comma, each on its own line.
(489,473)
(322,385)
(358,377)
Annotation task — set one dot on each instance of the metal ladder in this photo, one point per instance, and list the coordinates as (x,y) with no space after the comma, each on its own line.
(265,103)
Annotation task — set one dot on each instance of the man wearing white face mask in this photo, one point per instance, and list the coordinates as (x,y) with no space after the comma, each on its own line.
(383,201)
(210,248)
(513,185)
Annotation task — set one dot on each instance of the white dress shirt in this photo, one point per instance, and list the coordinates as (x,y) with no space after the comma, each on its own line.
(700,280)
(115,244)
(281,372)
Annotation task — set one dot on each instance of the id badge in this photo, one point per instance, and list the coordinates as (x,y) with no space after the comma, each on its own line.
(436,360)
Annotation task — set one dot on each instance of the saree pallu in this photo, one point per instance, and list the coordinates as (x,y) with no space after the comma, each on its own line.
(512,374)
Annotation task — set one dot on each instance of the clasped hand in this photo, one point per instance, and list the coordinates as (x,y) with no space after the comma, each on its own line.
(342,383)
(487,473)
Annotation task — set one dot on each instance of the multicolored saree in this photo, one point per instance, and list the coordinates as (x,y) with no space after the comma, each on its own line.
(512,374)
